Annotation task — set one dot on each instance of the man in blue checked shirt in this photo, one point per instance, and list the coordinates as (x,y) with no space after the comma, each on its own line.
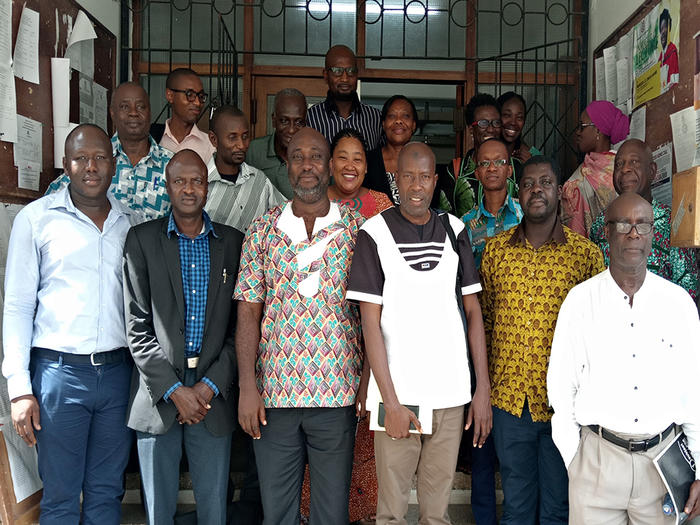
(139,178)
(179,273)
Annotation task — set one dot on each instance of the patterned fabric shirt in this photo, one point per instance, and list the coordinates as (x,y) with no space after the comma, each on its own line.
(236,204)
(482,225)
(194,265)
(140,187)
(523,291)
(324,117)
(678,265)
(309,352)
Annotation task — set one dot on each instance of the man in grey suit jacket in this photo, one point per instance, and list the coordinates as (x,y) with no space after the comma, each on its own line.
(179,273)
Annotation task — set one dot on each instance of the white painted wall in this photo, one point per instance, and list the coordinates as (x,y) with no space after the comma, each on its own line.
(605,16)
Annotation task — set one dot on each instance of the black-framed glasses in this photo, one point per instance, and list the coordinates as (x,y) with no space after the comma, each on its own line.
(338,71)
(643,228)
(496,163)
(192,95)
(582,125)
(485,123)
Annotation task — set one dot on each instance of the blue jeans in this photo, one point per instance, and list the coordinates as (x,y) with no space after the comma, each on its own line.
(208,457)
(484,483)
(327,437)
(84,443)
(534,478)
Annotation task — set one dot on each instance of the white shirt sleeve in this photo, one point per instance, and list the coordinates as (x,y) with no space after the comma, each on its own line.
(562,379)
(21,288)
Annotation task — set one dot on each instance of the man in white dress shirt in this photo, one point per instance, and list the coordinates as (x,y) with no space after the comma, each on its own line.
(623,373)
(67,366)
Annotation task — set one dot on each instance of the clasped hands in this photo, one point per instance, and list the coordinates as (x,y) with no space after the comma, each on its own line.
(192,403)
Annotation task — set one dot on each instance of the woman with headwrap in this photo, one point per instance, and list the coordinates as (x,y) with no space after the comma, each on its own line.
(590,189)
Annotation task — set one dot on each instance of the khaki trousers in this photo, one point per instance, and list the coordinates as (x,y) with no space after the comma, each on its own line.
(432,457)
(609,485)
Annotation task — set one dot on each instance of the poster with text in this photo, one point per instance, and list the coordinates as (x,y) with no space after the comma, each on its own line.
(656,51)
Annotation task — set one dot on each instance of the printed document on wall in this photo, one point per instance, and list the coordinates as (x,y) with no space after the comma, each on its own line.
(26,61)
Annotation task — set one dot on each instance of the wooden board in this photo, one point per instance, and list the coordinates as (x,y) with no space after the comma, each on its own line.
(658,129)
(34,100)
(11,512)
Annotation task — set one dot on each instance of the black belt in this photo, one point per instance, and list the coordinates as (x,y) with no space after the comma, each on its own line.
(95,359)
(633,445)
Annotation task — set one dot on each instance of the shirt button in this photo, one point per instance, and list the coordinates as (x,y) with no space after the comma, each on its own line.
(193,317)
(632,325)
(194,291)
(625,297)
(193,266)
(634,355)
(636,420)
(636,388)
(191,345)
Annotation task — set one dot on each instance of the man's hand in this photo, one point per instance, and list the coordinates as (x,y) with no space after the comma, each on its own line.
(205,394)
(480,414)
(25,418)
(692,506)
(191,406)
(397,421)
(361,398)
(251,411)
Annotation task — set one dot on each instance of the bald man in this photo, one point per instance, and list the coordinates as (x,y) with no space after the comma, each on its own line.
(342,107)
(635,170)
(412,389)
(179,273)
(623,373)
(139,175)
(298,342)
(66,361)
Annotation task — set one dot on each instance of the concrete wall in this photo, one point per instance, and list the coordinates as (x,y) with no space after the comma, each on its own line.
(605,16)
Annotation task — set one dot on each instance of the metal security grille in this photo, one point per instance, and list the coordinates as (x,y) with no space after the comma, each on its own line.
(534,47)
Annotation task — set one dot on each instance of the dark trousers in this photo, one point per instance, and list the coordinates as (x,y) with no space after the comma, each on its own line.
(326,436)
(84,443)
(484,482)
(535,482)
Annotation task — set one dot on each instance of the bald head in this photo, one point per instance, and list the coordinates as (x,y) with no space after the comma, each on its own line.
(311,137)
(629,230)
(416,152)
(308,166)
(185,158)
(339,51)
(635,168)
(340,73)
(620,208)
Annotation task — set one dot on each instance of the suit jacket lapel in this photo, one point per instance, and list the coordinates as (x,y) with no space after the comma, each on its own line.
(171,252)
(216,270)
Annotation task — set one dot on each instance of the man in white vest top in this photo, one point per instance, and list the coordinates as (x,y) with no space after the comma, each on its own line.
(405,275)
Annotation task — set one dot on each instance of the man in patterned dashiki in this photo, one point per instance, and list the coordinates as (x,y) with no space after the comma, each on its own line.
(526,272)
(415,340)
(298,342)
(139,177)
(635,170)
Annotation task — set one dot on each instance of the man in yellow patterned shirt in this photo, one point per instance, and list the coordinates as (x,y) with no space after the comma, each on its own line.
(526,273)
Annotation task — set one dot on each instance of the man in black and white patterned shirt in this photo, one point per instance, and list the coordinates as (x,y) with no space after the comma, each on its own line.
(404,275)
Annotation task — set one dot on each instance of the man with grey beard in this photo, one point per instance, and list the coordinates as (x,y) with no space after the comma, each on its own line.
(298,342)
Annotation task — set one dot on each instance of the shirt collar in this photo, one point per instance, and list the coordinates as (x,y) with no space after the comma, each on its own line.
(294,226)
(62,199)
(195,132)
(156,153)
(518,237)
(244,173)
(271,153)
(331,105)
(207,227)
(508,203)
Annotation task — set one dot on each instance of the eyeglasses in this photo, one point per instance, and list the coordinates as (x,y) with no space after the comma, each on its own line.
(338,71)
(192,95)
(582,125)
(643,228)
(496,163)
(485,123)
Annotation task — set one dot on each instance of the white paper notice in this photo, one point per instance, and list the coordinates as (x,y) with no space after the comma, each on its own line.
(60,90)
(609,55)
(80,49)
(23,463)
(59,141)
(8,105)
(638,124)
(28,178)
(600,79)
(624,93)
(661,185)
(99,96)
(683,128)
(28,146)
(5,33)
(27,47)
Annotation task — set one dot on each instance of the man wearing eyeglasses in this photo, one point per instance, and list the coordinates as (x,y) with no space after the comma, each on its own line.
(342,107)
(187,98)
(526,272)
(634,171)
(622,374)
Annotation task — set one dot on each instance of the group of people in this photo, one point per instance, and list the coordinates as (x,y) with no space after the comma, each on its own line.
(310,285)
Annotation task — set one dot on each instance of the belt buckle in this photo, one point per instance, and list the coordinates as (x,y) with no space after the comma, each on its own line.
(192,362)
(92,360)
(638,446)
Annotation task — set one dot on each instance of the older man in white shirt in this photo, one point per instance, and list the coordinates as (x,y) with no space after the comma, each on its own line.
(67,366)
(623,373)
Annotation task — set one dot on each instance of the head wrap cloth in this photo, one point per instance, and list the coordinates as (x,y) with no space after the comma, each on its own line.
(609,120)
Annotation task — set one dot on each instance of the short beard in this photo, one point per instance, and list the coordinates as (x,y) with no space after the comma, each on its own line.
(344,97)
(311,195)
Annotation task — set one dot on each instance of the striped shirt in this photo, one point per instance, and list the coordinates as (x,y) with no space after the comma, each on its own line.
(324,117)
(237,204)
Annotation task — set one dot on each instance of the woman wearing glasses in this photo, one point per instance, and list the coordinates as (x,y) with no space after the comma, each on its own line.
(399,121)
(590,189)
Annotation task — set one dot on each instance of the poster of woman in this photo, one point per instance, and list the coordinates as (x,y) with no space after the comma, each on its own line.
(669,52)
